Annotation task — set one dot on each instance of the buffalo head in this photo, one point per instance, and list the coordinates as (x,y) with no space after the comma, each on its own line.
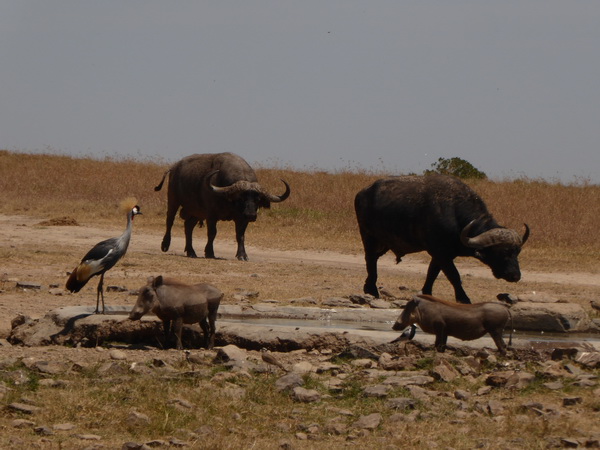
(498,248)
(249,196)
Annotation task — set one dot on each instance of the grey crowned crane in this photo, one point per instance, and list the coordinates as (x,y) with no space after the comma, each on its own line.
(102,257)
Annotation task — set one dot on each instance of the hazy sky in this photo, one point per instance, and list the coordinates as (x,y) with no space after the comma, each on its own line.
(511,86)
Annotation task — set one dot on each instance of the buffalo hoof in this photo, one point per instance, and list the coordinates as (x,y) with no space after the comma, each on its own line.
(371,290)
(191,254)
(165,245)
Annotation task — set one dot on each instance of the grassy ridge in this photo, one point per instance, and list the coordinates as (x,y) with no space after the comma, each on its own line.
(318,215)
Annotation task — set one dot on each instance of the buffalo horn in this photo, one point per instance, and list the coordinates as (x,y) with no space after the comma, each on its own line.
(495,236)
(278,198)
(247,186)
(231,189)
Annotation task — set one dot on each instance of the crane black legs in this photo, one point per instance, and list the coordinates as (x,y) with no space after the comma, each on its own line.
(100,293)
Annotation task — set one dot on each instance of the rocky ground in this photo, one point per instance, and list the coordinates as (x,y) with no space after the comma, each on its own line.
(378,395)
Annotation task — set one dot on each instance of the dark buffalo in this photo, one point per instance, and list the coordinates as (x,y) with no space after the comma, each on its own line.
(441,215)
(213,187)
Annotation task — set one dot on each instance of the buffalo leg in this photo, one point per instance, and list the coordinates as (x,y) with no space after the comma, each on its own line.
(372,254)
(453,276)
(211,234)
(432,273)
(240,231)
(189,225)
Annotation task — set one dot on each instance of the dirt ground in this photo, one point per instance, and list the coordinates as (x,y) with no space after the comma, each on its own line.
(32,251)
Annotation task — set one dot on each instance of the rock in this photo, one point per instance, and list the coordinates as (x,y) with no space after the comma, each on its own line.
(328,367)
(301,436)
(24,408)
(571,401)
(134,446)
(181,403)
(378,391)
(337,302)
(334,384)
(56,291)
(88,437)
(305,395)
(362,363)
(303,367)
(484,390)
(459,394)
(114,288)
(28,285)
(112,368)
(495,408)
(22,423)
(231,353)
(590,360)
(360,299)
(378,303)
(443,371)
(402,363)
(43,430)
(336,427)
(569,442)
(52,367)
(550,317)
(519,380)
(401,403)
(306,301)
(289,381)
(117,355)
(137,419)
(498,379)
(285,444)
(418,380)
(370,422)
(63,427)
(562,353)
(554,385)
(234,391)
(357,352)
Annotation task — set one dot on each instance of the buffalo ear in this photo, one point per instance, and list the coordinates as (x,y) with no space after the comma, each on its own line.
(158,281)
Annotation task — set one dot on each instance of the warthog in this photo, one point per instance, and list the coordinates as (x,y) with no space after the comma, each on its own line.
(179,303)
(466,322)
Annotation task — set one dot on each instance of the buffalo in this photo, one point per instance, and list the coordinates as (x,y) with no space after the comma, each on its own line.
(466,322)
(441,215)
(213,187)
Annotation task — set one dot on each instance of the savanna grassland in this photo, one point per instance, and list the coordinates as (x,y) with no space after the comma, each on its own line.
(54,208)
(319,215)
